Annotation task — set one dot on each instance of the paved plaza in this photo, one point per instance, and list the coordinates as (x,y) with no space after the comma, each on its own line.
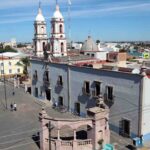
(19,128)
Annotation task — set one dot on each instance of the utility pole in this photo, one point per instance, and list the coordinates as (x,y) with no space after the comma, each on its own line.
(4,82)
(49,127)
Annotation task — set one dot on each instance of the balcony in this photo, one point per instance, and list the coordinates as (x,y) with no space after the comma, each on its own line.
(60,83)
(46,82)
(86,91)
(95,94)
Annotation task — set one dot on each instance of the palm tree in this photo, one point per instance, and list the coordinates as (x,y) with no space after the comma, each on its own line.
(25,61)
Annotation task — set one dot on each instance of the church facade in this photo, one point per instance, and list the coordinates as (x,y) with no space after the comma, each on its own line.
(56,45)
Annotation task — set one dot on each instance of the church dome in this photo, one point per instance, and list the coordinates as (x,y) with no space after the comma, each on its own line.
(40,16)
(89,45)
(57,13)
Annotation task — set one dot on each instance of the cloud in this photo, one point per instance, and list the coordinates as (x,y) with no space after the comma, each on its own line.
(112,9)
(80,11)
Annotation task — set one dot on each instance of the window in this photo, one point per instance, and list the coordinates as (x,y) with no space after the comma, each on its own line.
(86,88)
(60,29)
(62,47)
(60,101)
(77,108)
(18,70)
(35,76)
(46,76)
(48,94)
(53,28)
(110,93)
(60,81)
(44,47)
(10,71)
(9,63)
(92,55)
(36,92)
(124,127)
(97,89)
(42,29)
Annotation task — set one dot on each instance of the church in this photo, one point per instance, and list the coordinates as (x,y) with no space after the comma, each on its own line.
(73,82)
(55,45)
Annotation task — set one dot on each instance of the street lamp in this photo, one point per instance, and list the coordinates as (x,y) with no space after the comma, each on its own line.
(4,81)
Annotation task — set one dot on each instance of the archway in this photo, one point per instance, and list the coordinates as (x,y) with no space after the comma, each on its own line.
(82,132)
(66,133)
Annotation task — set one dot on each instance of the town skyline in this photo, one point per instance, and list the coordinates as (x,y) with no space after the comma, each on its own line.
(109,20)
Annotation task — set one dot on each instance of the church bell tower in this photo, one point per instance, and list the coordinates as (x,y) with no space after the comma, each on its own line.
(40,34)
(58,44)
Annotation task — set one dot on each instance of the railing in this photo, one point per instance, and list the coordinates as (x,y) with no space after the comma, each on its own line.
(84,142)
(66,143)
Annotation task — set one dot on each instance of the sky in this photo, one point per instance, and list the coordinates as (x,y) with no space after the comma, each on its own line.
(105,20)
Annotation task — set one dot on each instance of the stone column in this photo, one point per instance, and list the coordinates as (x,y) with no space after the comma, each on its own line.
(74,135)
(58,134)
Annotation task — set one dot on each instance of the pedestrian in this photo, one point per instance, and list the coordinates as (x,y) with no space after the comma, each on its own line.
(11,107)
(15,107)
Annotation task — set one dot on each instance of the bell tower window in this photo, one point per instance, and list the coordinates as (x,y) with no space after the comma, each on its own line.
(62,47)
(44,46)
(52,45)
(53,28)
(42,30)
(60,28)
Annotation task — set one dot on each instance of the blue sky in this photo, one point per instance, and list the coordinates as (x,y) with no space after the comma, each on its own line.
(106,20)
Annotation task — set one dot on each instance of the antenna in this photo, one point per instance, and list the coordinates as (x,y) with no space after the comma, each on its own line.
(69,20)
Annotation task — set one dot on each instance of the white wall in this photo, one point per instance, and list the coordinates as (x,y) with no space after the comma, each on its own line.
(146,106)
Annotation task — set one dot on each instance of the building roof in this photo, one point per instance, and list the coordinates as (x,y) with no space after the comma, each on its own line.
(39,17)
(10,54)
(57,14)
(89,45)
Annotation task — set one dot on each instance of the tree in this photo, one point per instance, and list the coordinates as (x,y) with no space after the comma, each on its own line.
(26,63)
(97,41)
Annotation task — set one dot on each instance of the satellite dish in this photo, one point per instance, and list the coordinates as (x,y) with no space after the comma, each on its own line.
(135,71)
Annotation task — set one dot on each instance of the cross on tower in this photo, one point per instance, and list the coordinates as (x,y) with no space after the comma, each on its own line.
(39,4)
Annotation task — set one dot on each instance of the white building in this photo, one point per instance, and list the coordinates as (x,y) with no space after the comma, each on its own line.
(90,48)
(58,44)
(40,35)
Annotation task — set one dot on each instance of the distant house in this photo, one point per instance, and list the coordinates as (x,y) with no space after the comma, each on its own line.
(10,64)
